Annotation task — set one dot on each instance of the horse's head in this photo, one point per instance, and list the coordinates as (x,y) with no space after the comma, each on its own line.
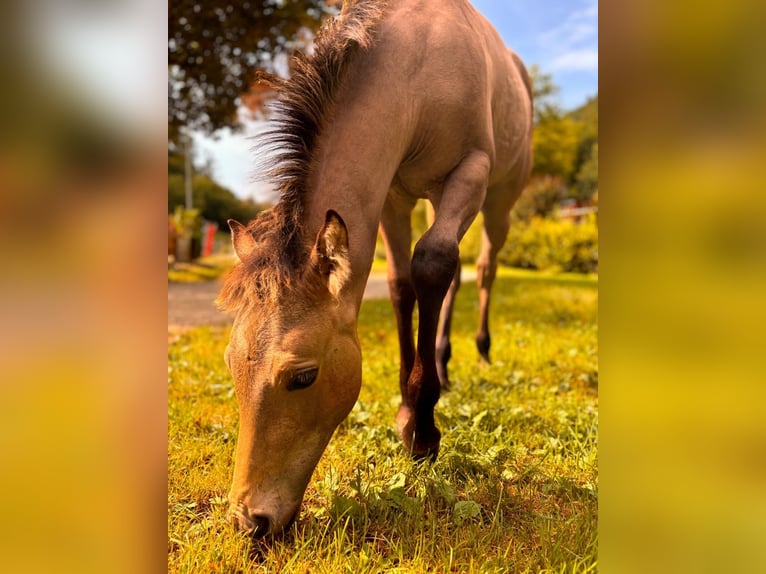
(296,364)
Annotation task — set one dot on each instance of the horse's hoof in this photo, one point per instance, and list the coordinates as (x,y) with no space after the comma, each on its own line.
(483,344)
(420,448)
(429,454)
(420,445)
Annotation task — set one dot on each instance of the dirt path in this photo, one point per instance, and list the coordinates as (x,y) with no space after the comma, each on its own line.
(192,304)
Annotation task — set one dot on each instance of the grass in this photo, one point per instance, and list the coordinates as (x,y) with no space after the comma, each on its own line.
(514,488)
(202,269)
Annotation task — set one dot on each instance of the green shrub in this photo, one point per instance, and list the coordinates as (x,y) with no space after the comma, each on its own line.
(540,198)
(540,243)
(550,244)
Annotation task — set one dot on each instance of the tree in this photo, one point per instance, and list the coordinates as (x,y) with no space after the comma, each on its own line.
(587,118)
(214,202)
(554,140)
(540,198)
(586,180)
(544,92)
(215,47)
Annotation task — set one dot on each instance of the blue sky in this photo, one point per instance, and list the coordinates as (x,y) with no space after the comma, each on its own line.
(560,36)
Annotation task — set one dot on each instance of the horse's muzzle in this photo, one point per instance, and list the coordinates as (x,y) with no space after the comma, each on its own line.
(257,525)
(261,526)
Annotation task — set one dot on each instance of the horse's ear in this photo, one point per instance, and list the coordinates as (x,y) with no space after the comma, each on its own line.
(330,255)
(241,239)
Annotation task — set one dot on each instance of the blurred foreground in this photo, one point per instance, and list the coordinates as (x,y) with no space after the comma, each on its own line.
(83,379)
(683,276)
(82,286)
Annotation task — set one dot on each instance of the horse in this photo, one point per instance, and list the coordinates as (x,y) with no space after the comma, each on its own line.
(398,101)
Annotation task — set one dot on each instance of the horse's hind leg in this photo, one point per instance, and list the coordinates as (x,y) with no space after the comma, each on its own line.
(496,224)
(443,345)
(434,263)
(397,236)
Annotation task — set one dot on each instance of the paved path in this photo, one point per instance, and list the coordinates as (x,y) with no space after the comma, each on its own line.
(192,304)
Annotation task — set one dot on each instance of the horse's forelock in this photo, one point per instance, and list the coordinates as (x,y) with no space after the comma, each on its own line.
(273,272)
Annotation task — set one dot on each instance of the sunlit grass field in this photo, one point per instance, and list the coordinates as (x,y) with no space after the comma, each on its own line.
(514,488)
(202,269)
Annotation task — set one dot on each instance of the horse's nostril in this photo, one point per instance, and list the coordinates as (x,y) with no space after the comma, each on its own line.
(261,525)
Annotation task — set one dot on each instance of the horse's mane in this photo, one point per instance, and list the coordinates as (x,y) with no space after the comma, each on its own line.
(298,115)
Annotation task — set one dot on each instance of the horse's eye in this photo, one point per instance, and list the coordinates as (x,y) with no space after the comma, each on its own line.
(303,379)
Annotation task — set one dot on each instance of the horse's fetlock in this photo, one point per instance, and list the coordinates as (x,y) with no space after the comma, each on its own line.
(443,352)
(483,342)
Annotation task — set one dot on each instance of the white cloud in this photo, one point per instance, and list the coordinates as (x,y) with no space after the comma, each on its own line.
(585,59)
(573,45)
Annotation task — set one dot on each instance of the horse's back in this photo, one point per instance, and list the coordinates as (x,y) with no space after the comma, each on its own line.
(467,91)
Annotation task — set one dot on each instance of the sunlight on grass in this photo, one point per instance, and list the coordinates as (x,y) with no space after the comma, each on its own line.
(202,269)
(515,485)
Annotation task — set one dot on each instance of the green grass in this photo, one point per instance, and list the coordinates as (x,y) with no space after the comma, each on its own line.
(514,488)
(202,269)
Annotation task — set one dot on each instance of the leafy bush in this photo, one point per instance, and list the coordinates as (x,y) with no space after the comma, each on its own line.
(550,244)
(540,198)
(539,243)
(186,222)
(586,181)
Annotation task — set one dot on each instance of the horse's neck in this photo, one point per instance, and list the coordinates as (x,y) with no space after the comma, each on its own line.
(357,156)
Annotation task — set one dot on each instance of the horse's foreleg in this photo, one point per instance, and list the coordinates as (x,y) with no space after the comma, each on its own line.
(434,264)
(397,236)
(443,345)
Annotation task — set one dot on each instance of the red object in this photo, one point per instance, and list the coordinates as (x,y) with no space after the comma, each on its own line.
(209,238)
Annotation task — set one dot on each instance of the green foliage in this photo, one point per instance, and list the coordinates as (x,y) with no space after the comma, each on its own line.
(548,244)
(202,269)
(175,164)
(214,49)
(186,222)
(554,143)
(514,488)
(540,198)
(586,181)
(544,92)
(176,193)
(586,117)
(214,202)
(536,240)
(562,142)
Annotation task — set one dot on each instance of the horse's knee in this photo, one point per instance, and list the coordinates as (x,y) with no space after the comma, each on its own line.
(434,262)
(486,269)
